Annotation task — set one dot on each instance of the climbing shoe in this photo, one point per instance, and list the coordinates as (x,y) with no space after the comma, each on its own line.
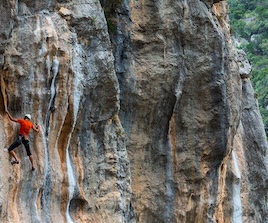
(15,162)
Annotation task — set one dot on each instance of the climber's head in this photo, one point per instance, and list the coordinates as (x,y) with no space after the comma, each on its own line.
(28,116)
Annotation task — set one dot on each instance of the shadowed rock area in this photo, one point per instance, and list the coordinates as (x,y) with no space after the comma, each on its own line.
(146,110)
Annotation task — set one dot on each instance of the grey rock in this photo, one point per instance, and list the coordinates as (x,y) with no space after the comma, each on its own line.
(146,110)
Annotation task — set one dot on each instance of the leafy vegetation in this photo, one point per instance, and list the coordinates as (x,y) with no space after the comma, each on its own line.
(249,23)
(110,10)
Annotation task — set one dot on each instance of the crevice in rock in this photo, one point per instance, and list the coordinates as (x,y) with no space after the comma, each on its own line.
(45,197)
(53,92)
(78,207)
(3,96)
(69,181)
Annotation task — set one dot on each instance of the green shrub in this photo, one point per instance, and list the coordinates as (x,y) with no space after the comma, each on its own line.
(249,20)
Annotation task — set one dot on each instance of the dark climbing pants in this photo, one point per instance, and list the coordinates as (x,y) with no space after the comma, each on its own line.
(18,142)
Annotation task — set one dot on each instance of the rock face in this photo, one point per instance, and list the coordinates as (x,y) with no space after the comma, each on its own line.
(146,110)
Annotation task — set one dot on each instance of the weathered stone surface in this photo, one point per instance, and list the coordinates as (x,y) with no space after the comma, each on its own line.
(61,71)
(160,126)
(183,81)
(244,65)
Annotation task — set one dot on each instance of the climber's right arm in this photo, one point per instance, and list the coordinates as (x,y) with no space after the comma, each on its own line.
(11,118)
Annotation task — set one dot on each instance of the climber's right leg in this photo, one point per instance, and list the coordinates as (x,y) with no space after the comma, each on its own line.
(12,153)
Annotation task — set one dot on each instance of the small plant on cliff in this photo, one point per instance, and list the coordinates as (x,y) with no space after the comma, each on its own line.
(110,10)
(111,24)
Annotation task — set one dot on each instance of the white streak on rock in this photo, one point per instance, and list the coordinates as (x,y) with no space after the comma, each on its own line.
(71,186)
(237,214)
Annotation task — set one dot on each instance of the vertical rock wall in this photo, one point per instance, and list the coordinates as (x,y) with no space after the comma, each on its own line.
(57,64)
(160,126)
(188,110)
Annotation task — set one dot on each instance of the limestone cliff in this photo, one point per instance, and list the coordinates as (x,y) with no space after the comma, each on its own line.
(146,110)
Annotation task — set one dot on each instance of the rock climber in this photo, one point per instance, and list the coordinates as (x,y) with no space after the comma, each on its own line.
(23,137)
